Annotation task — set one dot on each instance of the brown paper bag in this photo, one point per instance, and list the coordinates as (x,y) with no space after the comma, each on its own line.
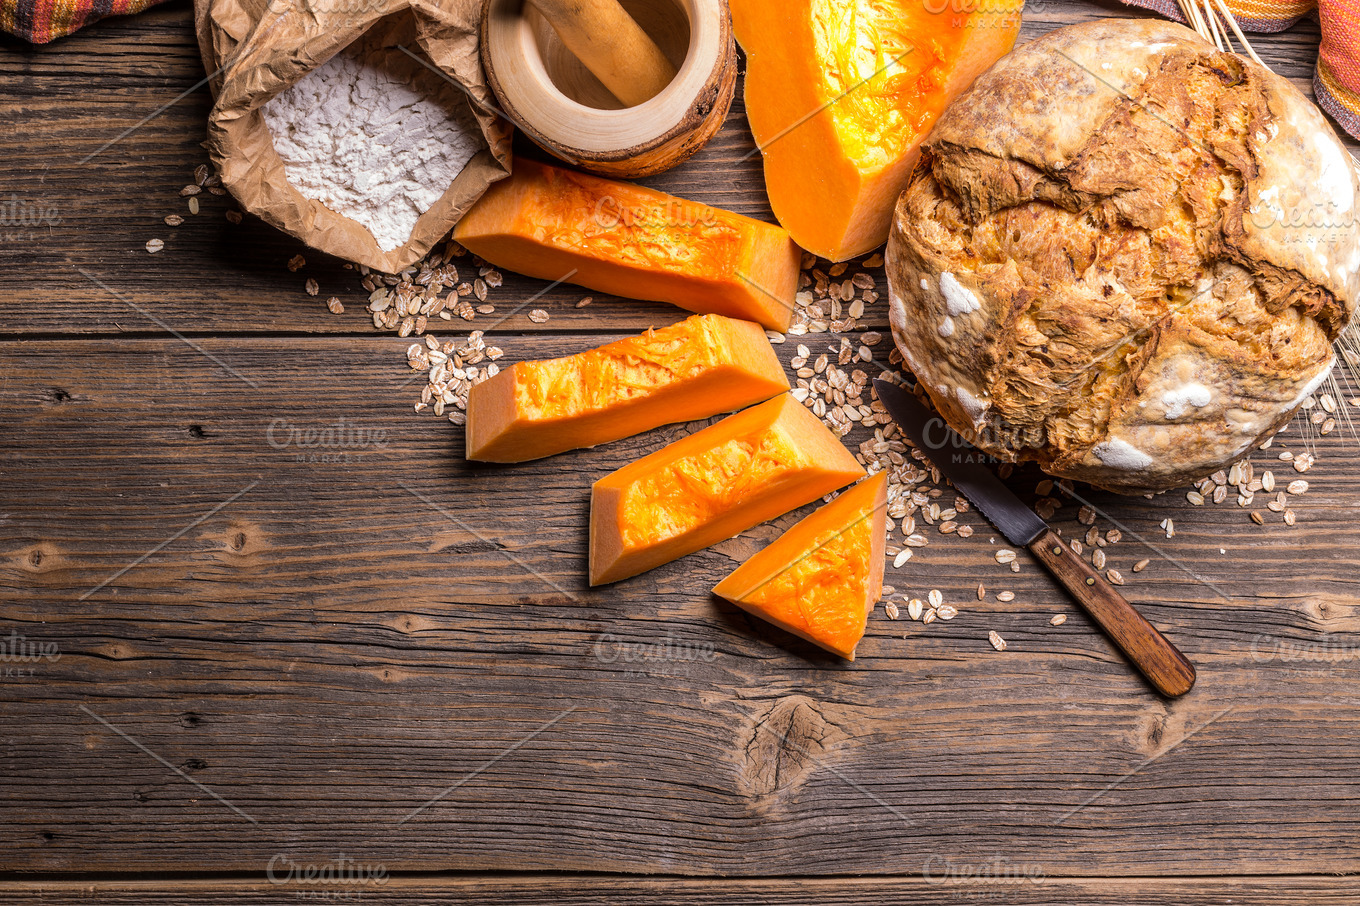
(254,49)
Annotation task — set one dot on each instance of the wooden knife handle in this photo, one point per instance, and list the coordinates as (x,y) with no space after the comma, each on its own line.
(1155,657)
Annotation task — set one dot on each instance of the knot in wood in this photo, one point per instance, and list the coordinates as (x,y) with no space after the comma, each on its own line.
(781,746)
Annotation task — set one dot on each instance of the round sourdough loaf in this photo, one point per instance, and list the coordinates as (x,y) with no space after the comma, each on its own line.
(1125,255)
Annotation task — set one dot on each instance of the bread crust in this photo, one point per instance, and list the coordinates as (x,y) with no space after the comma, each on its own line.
(1125,255)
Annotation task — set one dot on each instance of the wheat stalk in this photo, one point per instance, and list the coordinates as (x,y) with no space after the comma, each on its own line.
(1213,21)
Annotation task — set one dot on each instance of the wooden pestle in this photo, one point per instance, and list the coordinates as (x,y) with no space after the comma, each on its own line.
(610,44)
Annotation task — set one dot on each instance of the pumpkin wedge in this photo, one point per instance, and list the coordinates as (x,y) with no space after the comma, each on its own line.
(702,489)
(702,366)
(840,94)
(821,578)
(623,239)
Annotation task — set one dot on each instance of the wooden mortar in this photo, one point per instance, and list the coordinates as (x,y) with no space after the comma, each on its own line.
(550,94)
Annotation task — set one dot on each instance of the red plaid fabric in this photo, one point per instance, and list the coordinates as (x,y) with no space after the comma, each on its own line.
(40,21)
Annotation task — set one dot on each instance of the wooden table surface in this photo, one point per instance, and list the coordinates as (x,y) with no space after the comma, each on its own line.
(233,661)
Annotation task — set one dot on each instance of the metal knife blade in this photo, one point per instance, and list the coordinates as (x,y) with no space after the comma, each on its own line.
(963,464)
(1158,660)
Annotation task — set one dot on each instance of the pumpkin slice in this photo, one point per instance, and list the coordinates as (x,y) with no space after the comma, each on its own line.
(840,94)
(704,365)
(821,578)
(619,238)
(746,469)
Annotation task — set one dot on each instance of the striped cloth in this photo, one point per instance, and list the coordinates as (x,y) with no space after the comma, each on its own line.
(1336,79)
(40,21)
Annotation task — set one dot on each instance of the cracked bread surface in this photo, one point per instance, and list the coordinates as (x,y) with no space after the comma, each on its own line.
(1125,255)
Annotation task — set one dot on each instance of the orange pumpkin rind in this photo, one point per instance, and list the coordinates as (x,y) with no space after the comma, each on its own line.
(821,578)
(746,469)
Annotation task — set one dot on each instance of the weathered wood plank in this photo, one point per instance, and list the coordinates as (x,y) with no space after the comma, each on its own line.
(948,886)
(328,652)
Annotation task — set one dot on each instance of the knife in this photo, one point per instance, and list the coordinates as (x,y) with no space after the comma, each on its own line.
(1156,658)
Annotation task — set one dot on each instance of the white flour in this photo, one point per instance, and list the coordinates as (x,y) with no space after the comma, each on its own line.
(357,137)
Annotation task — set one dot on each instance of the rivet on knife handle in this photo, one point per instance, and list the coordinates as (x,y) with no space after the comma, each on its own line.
(1150,651)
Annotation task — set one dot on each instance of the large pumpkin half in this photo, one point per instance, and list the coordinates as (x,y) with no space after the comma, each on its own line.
(841,93)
